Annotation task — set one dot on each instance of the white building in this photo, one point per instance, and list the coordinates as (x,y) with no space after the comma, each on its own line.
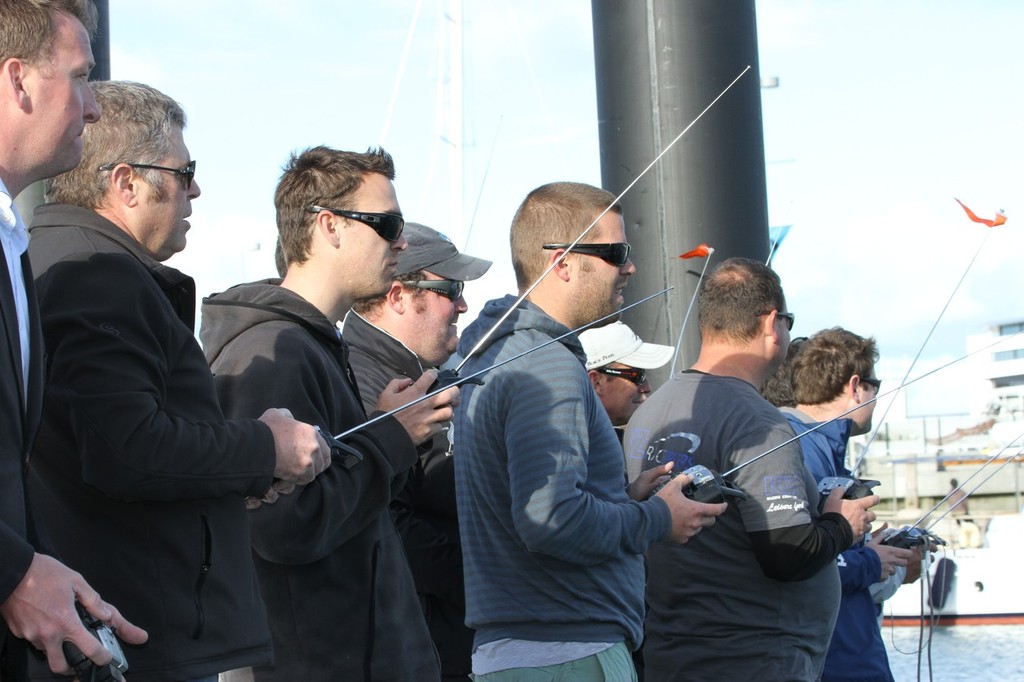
(998,389)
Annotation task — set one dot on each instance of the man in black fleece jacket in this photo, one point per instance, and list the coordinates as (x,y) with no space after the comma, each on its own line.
(340,597)
(138,476)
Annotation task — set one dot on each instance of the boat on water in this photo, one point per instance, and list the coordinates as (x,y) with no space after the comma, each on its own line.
(968,585)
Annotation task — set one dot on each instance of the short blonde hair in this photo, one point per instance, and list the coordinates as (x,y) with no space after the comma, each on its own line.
(29,27)
(554,213)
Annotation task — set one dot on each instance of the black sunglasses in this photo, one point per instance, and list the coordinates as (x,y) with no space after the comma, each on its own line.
(388,225)
(616,253)
(186,172)
(449,288)
(634,374)
(874,383)
(790,319)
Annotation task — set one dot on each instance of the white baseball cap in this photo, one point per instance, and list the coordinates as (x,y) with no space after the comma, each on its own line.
(618,343)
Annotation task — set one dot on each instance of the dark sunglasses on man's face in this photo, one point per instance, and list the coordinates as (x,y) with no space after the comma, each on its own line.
(388,225)
(449,288)
(790,319)
(616,253)
(186,172)
(634,374)
(873,383)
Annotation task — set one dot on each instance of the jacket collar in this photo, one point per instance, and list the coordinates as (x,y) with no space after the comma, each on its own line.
(367,337)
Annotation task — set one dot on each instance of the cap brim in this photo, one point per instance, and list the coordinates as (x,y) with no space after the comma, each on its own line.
(461,267)
(648,356)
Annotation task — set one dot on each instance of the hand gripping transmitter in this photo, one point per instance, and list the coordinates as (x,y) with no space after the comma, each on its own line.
(342,453)
(855,488)
(85,669)
(706,486)
(910,537)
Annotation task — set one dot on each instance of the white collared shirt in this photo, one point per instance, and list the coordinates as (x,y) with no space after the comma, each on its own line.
(14,238)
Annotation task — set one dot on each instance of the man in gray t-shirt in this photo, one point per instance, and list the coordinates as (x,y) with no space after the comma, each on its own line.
(757,595)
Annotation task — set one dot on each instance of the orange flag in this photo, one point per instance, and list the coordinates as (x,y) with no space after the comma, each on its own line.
(999,219)
(702,251)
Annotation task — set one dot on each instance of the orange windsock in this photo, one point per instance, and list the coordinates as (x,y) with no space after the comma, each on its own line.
(998,220)
(702,251)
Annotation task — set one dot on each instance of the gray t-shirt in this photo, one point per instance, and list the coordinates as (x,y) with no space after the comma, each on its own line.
(714,615)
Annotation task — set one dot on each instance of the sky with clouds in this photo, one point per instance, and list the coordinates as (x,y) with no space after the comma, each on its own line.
(885,112)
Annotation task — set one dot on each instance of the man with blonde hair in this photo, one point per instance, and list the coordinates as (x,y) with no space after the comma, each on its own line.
(552,540)
(45,102)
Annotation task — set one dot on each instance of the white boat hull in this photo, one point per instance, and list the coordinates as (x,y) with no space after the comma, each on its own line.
(985,587)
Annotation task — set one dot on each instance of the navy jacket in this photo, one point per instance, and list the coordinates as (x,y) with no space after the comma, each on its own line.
(856,652)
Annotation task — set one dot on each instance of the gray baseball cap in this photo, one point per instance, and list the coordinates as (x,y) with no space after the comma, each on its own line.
(430,250)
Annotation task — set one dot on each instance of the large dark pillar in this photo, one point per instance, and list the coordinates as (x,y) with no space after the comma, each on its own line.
(101,43)
(659,63)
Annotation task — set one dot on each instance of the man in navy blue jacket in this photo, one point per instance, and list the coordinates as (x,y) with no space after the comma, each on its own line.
(832,373)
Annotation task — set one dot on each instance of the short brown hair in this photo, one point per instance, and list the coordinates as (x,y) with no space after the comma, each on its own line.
(734,296)
(369,306)
(322,176)
(29,27)
(554,213)
(136,127)
(827,361)
(778,388)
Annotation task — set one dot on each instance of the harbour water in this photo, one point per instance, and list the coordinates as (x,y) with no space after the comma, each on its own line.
(967,653)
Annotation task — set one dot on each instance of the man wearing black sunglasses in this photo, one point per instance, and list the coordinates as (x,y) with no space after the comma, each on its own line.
(140,478)
(401,333)
(833,374)
(756,597)
(552,540)
(340,596)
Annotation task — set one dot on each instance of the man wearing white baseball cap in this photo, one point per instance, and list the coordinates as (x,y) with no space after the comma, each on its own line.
(617,360)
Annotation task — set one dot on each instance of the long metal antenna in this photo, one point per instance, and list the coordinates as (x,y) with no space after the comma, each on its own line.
(474,375)
(686,317)
(869,401)
(522,297)
(968,480)
(975,488)
(871,438)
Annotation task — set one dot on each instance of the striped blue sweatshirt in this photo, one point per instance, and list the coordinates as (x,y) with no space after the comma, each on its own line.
(552,543)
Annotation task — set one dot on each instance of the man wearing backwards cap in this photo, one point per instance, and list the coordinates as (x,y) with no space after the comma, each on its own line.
(616,362)
(400,334)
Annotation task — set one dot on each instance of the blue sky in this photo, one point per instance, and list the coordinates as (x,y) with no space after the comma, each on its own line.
(886,110)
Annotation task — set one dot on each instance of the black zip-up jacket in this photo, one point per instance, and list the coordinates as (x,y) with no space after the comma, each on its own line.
(340,597)
(425,510)
(137,476)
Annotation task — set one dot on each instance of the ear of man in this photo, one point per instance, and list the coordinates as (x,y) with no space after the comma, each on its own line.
(396,298)
(124,186)
(329,227)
